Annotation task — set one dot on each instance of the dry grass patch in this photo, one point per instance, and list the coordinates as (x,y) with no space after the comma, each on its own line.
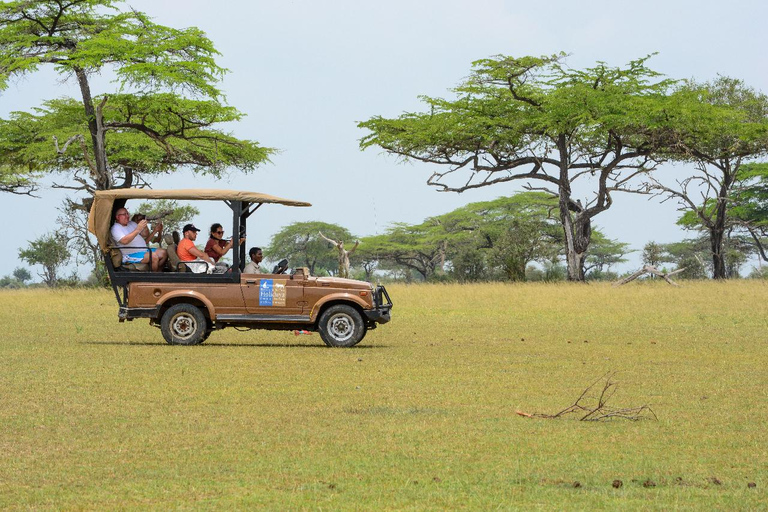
(96,414)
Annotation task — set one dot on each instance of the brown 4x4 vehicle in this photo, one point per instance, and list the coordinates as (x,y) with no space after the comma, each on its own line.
(188,306)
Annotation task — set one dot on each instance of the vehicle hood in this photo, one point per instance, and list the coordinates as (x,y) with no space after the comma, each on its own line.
(343,283)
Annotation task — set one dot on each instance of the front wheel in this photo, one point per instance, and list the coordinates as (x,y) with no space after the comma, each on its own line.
(341,326)
(184,324)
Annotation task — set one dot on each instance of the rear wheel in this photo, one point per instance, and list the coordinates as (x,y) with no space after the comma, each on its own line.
(184,324)
(341,326)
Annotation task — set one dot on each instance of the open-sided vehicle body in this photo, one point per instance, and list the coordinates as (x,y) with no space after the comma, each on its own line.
(188,306)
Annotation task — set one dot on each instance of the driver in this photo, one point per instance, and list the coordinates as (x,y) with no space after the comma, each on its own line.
(253,266)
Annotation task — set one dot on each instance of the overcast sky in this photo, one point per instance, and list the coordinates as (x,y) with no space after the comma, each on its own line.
(305,72)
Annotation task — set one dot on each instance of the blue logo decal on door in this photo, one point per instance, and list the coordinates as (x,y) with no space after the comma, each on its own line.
(265,292)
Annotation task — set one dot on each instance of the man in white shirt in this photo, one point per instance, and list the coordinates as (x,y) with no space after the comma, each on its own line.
(253,266)
(127,236)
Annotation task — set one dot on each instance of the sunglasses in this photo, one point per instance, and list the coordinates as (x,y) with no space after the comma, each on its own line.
(219,232)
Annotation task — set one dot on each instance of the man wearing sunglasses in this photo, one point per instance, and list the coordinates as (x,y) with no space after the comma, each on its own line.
(127,236)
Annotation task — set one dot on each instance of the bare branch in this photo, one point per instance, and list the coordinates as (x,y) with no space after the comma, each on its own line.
(66,144)
(648,269)
(17,187)
(599,410)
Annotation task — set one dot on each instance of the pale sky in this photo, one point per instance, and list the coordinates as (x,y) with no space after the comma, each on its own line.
(305,72)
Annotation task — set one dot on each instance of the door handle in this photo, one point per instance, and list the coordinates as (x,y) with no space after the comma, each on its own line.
(249,281)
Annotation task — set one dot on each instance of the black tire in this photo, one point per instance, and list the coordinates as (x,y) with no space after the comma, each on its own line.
(184,324)
(341,326)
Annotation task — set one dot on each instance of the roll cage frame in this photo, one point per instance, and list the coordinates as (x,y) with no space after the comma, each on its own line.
(241,212)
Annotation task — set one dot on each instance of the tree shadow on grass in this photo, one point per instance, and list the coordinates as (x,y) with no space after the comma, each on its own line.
(230,345)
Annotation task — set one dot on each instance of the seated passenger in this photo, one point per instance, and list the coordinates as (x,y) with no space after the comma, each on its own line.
(127,236)
(253,266)
(216,246)
(189,253)
(155,236)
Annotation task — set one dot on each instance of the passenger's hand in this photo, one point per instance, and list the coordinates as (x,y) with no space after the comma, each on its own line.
(142,224)
(242,240)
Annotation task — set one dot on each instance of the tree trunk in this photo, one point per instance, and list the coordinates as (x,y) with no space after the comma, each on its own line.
(576,243)
(101,175)
(515,269)
(716,237)
(577,228)
(717,228)
(439,265)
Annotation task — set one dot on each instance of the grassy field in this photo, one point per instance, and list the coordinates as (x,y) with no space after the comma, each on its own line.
(421,416)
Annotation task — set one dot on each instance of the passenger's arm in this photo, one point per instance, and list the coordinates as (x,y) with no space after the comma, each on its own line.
(157,233)
(221,251)
(130,236)
(197,253)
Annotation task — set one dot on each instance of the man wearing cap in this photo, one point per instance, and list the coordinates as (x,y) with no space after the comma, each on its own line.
(188,252)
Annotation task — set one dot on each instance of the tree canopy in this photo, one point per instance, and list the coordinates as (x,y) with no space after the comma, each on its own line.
(163,114)
(749,207)
(483,241)
(724,127)
(50,251)
(534,119)
(302,245)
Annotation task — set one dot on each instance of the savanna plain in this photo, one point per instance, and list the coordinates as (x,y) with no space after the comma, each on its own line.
(98,415)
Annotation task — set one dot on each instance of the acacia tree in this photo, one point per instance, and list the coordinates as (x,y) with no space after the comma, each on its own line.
(690,254)
(50,251)
(301,244)
(725,128)
(162,115)
(533,119)
(653,254)
(603,254)
(485,240)
(749,209)
(501,236)
(171,213)
(22,274)
(421,248)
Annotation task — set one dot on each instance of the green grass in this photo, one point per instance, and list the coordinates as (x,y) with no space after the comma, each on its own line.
(421,416)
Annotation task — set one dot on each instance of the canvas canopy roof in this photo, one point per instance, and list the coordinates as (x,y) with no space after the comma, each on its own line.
(100,219)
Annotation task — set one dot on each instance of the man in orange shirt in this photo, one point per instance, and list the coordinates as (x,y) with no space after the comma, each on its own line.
(188,252)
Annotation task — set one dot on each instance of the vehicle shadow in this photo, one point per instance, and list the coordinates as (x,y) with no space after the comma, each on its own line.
(228,345)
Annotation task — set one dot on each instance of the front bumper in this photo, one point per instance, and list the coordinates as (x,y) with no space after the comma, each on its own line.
(381,312)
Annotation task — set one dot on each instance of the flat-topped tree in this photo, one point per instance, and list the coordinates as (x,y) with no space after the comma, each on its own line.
(162,115)
(723,138)
(302,245)
(533,119)
(500,237)
(749,209)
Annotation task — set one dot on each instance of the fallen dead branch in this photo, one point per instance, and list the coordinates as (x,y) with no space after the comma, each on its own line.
(596,408)
(649,269)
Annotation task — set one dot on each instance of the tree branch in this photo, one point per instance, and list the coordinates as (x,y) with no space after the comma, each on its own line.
(599,410)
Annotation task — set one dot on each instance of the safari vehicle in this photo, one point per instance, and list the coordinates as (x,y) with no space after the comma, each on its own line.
(188,306)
